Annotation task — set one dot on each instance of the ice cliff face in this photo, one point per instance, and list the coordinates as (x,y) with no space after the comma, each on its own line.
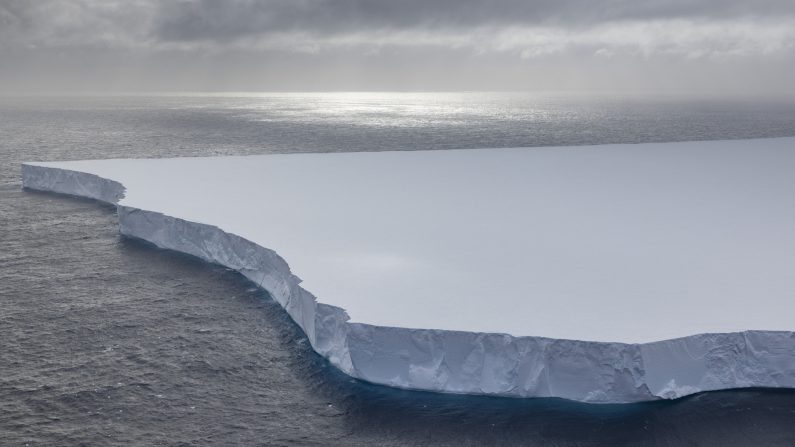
(458,361)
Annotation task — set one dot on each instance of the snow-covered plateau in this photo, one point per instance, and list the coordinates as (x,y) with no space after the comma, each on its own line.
(615,273)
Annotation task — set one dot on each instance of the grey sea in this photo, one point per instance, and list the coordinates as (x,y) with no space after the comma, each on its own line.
(107,341)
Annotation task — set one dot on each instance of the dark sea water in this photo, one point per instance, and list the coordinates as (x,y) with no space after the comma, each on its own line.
(107,341)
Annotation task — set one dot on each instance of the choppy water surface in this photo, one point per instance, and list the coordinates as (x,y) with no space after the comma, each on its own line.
(106,341)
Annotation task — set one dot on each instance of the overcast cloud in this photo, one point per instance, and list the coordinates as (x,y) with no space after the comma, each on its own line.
(715,46)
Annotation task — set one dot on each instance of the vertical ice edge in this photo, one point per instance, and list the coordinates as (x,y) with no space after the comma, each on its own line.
(445,360)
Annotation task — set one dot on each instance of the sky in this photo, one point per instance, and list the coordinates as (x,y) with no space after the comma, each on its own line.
(738,47)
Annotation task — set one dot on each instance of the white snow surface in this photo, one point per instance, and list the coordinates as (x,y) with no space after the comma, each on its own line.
(557,247)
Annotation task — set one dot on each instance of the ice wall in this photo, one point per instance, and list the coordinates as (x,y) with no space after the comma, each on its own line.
(457,361)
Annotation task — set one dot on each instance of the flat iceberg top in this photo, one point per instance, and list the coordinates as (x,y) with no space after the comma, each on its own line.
(626,243)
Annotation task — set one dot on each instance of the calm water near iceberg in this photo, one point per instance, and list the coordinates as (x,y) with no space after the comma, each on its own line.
(107,341)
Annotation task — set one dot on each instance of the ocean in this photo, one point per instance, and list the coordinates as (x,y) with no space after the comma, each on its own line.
(109,341)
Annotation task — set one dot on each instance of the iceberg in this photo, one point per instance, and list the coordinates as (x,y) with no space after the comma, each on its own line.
(612,273)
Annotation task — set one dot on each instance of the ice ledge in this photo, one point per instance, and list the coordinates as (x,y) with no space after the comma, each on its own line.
(455,361)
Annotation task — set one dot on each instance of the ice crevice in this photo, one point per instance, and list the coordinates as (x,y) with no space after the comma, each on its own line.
(457,361)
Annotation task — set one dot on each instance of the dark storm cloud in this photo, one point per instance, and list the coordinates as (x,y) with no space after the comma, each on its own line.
(208,19)
(331,44)
(53,23)
(151,22)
